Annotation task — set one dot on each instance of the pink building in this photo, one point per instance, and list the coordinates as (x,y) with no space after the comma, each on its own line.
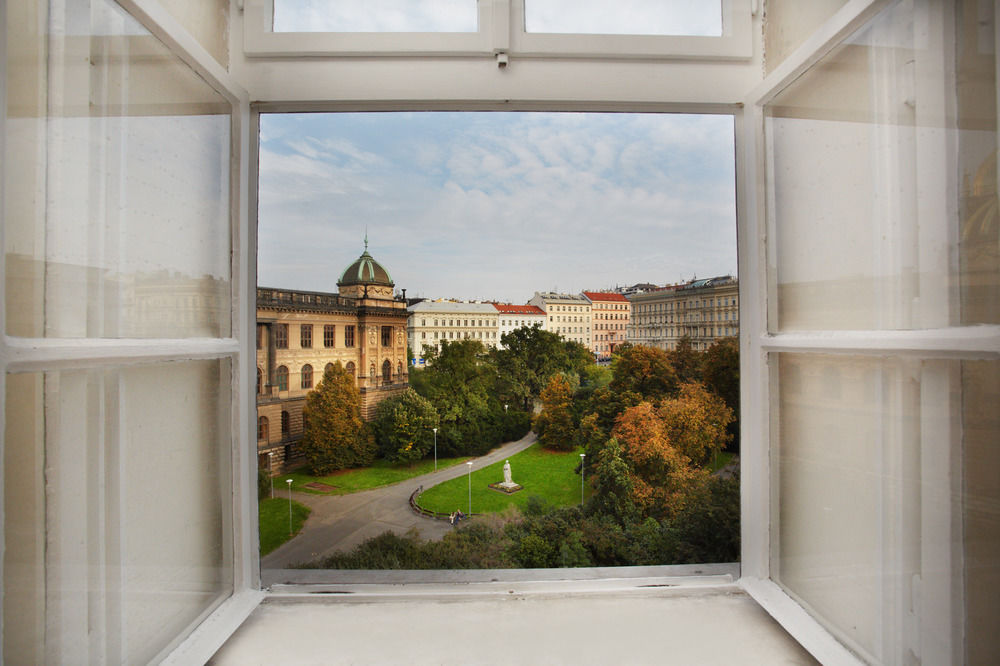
(610,312)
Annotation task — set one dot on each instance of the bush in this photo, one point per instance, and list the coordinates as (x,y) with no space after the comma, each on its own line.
(263,484)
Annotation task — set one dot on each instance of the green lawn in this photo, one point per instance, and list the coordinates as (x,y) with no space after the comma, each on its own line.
(347,481)
(720,461)
(543,473)
(272,517)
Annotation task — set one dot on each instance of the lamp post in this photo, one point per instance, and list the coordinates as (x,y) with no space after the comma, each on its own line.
(270,470)
(435,448)
(469,463)
(505,409)
(582,456)
(289,482)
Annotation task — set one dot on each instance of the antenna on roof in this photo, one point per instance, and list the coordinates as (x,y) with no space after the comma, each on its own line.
(366,238)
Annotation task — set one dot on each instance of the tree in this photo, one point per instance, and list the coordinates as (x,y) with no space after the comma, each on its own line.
(403,427)
(554,424)
(720,370)
(613,489)
(334,434)
(528,357)
(695,422)
(644,370)
(662,477)
(686,361)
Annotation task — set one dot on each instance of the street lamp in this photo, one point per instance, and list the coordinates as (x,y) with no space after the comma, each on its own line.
(505,409)
(270,470)
(435,448)
(289,482)
(582,456)
(469,463)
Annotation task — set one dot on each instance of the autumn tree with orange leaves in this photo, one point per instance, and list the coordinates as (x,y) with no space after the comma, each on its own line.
(665,444)
(554,424)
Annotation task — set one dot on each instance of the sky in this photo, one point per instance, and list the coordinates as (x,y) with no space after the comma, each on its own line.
(496,205)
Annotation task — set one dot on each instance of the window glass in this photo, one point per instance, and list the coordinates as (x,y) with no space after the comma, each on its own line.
(375,16)
(859,239)
(126,156)
(91,457)
(877,564)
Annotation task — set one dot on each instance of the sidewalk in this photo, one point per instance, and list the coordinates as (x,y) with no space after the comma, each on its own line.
(341,522)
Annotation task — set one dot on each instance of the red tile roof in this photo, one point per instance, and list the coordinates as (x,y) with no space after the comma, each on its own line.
(507,308)
(605,296)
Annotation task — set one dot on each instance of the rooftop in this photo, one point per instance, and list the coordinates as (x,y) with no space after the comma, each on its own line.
(605,296)
(507,308)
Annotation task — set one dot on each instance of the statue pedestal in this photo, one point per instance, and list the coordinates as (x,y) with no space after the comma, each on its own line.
(508,487)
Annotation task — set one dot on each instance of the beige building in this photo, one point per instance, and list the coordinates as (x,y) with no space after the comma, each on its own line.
(566,314)
(611,314)
(703,310)
(431,322)
(300,333)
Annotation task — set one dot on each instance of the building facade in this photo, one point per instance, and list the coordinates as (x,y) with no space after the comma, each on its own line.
(566,314)
(301,333)
(611,314)
(513,317)
(432,322)
(703,310)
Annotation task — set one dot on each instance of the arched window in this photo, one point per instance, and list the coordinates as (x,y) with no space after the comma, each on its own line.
(328,368)
(281,377)
(307,376)
(386,372)
(260,381)
(351,369)
(286,424)
(262,429)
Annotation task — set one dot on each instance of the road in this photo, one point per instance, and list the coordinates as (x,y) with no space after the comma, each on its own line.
(341,522)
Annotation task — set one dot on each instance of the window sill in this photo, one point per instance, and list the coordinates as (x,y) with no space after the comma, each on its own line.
(705,620)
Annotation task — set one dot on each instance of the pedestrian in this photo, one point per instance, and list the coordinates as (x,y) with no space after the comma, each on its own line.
(451,519)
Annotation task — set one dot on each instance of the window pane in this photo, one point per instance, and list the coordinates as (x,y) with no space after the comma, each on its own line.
(883,162)
(118,528)
(375,16)
(886,496)
(117,220)
(624,17)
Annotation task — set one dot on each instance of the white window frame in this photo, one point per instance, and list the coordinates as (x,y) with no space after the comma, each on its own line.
(53,354)
(500,31)
(757,343)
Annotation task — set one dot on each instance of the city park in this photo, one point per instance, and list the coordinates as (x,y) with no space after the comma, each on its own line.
(599,465)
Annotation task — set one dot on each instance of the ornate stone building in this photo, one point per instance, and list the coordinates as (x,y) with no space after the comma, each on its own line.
(300,333)
(703,310)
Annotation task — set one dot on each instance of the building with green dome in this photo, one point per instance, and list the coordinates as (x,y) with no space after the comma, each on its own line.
(300,333)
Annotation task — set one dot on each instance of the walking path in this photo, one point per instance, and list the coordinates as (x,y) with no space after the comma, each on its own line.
(341,522)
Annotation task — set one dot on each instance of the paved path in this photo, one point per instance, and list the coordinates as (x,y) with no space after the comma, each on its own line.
(341,522)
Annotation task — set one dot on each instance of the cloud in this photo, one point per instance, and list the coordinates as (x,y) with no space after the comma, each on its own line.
(499,205)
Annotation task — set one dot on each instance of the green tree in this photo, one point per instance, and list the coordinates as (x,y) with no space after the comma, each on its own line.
(720,369)
(460,383)
(403,427)
(611,477)
(554,424)
(334,434)
(528,357)
(686,361)
(644,370)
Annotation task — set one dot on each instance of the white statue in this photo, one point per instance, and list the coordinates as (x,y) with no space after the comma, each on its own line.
(506,473)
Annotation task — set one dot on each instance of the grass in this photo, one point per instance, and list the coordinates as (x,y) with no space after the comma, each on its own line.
(720,461)
(344,482)
(547,474)
(272,517)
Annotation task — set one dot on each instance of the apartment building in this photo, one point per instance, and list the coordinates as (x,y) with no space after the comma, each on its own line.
(432,322)
(513,317)
(611,313)
(569,315)
(704,310)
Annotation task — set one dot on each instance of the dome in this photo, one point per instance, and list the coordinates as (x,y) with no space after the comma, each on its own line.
(365,270)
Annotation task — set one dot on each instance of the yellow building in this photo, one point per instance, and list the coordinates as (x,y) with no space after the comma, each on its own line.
(300,333)
(703,310)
